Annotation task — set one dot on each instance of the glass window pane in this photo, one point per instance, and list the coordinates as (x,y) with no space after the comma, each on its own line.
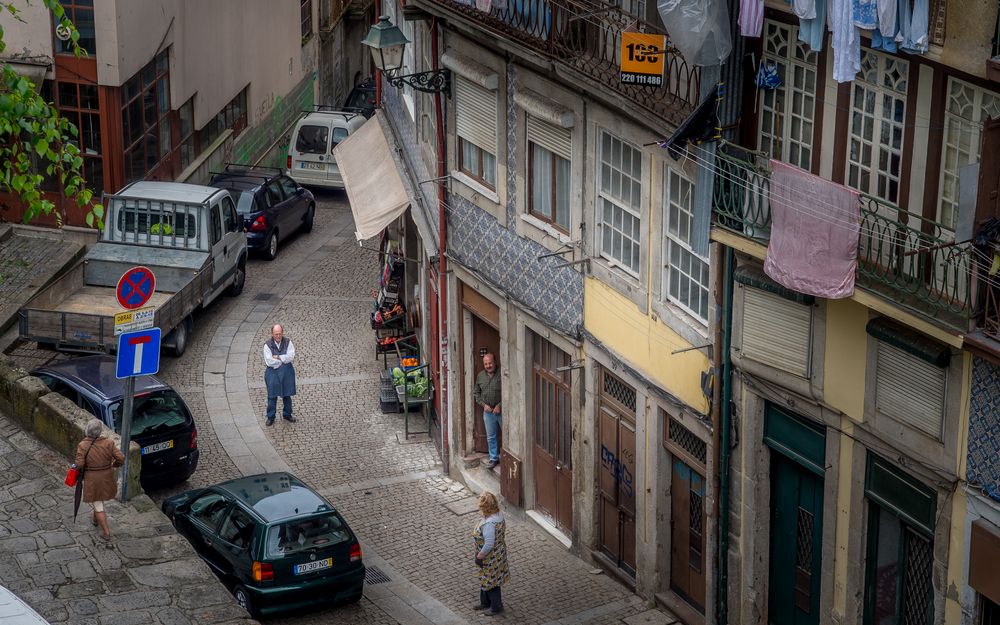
(887,567)
(562,192)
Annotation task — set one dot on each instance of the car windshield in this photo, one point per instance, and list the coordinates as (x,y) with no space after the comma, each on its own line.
(360,98)
(298,535)
(312,139)
(244,205)
(339,134)
(160,410)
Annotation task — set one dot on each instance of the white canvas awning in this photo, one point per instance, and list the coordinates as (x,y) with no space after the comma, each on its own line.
(371,178)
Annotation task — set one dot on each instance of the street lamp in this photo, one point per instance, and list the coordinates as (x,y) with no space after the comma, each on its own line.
(387,42)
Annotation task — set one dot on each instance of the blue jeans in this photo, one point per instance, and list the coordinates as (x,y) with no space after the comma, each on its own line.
(492,421)
(272,407)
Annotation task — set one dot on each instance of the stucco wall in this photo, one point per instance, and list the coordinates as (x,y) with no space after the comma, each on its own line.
(31,38)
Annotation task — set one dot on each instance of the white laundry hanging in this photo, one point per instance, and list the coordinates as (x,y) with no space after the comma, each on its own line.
(846,41)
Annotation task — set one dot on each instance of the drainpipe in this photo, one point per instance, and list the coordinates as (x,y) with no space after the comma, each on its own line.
(722,585)
(442,346)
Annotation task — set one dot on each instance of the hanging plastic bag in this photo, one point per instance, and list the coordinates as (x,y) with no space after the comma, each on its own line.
(698,28)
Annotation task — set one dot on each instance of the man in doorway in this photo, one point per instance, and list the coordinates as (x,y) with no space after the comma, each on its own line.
(486,393)
(279,375)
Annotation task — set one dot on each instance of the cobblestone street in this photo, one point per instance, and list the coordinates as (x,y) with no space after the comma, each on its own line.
(414,523)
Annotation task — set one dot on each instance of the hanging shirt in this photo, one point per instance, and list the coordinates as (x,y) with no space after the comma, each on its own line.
(887,16)
(845,40)
(864,13)
(804,9)
(814,233)
(812,31)
(751,17)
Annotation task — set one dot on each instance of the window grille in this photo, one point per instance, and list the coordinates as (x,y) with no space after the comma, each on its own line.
(619,390)
(687,440)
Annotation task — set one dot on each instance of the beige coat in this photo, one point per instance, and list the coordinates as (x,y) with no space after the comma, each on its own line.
(98,471)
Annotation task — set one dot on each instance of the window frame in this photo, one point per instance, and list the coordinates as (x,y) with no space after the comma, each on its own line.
(602,197)
(305,19)
(554,188)
(160,128)
(784,96)
(72,8)
(76,112)
(461,85)
(670,240)
(880,90)
(480,175)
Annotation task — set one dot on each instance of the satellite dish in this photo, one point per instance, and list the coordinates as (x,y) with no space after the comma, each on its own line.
(63,32)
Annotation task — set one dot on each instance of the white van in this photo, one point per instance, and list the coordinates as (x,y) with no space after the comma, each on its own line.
(310,151)
(13,611)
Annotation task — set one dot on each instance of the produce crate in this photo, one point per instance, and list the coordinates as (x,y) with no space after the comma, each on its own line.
(388,402)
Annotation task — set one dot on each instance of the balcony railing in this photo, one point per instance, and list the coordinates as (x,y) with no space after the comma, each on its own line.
(901,255)
(586,36)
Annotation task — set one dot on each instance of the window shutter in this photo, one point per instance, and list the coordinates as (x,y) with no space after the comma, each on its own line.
(909,389)
(553,138)
(776,331)
(476,114)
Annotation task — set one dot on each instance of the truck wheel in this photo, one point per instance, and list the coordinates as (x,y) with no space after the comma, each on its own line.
(239,280)
(272,246)
(307,222)
(180,338)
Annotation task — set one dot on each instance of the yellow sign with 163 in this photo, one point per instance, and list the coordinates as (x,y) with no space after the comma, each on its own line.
(642,59)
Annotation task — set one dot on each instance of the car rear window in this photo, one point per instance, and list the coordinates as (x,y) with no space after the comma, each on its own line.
(312,139)
(297,535)
(244,205)
(152,413)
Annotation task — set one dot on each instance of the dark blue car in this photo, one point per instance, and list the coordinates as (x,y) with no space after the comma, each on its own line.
(272,205)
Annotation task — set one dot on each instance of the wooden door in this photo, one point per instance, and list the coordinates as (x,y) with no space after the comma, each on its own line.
(553,432)
(485,339)
(796,532)
(687,534)
(616,432)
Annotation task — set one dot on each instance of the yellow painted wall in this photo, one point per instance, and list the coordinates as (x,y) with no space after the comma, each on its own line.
(645,343)
(846,349)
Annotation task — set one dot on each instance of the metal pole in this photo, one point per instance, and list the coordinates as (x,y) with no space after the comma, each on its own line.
(127,430)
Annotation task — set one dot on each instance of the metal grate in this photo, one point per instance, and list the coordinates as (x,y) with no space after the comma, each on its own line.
(375,575)
(695,535)
(263,297)
(687,440)
(917,580)
(619,391)
(804,540)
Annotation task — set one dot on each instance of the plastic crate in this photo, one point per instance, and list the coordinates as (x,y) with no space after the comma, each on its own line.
(388,402)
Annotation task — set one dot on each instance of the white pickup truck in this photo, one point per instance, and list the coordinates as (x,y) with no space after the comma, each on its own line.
(190,236)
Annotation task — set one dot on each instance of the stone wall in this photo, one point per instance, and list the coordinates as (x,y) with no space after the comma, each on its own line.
(53,419)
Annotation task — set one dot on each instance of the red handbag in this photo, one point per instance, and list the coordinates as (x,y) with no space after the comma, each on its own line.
(72,475)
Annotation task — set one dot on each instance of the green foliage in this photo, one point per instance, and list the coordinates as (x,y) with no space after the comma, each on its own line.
(36,142)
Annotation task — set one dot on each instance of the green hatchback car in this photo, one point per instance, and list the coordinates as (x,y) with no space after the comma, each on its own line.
(273,540)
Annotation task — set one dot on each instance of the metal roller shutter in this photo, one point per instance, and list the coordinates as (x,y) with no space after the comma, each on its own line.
(909,389)
(552,138)
(476,114)
(776,331)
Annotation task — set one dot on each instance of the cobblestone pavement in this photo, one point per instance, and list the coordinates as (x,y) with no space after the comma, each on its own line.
(149,575)
(414,523)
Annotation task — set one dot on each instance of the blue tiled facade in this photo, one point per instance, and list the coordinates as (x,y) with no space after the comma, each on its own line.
(476,240)
(984,427)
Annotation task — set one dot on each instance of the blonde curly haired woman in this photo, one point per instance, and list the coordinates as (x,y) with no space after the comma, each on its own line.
(491,554)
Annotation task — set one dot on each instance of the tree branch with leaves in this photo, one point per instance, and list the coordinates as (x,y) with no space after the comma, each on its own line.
(35,141)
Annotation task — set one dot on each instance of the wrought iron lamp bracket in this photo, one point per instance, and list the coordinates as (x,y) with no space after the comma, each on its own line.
(434,81)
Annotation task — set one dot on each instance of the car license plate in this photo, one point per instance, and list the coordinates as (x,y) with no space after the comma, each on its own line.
(308,567)
(152,449)
(316,166)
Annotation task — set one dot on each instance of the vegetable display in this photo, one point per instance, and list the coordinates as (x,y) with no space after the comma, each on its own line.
(416,382)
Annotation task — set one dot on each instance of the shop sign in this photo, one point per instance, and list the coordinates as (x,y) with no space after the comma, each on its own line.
(642,59)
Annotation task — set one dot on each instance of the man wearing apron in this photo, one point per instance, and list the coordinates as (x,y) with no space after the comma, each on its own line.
(279,375)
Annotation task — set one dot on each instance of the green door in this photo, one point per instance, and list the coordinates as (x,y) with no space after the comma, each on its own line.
(796,529)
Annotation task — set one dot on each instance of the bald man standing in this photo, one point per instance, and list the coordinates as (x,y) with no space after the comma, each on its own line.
(279,375)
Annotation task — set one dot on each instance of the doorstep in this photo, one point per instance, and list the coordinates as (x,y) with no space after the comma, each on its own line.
(550,527)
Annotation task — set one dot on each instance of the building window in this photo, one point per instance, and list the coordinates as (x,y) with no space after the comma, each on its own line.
(989,612)
(900,557)
(786,119)
(685,276)
(549,151)
(619,202)
(78,102)
(968,107)
(306,15)
(81,13)
(185,114)
(233,115)
(878,108)
(476,127)
(146,117)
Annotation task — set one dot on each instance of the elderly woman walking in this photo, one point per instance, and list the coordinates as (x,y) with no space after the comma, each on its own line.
(97,457)
(491,554)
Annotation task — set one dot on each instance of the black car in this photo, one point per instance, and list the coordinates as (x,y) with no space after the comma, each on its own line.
(273,540)
(162,425)
(272,205)
(361,99)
